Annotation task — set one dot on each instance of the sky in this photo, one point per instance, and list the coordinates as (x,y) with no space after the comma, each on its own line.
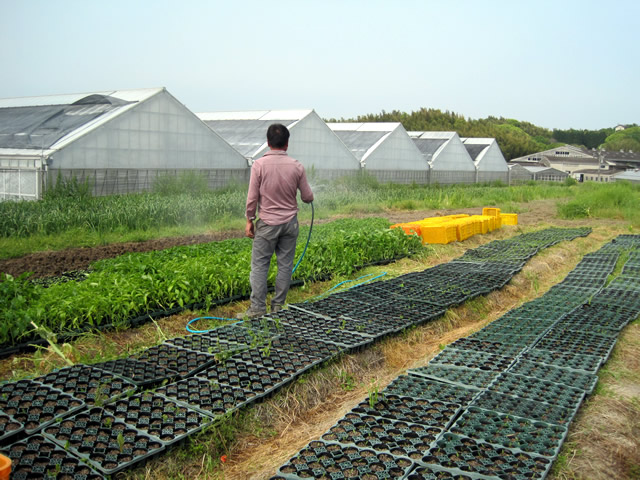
(555,63)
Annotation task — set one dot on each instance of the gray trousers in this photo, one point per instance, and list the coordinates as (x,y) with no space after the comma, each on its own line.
(270,239)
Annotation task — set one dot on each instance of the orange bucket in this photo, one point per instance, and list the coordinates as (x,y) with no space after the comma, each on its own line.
(5,467)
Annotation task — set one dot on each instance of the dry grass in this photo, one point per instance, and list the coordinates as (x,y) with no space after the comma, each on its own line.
(258,440)
(604,440)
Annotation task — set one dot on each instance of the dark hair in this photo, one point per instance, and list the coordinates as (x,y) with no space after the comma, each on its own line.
(278,136)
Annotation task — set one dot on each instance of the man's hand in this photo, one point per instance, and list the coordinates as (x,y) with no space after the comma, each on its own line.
(250,229)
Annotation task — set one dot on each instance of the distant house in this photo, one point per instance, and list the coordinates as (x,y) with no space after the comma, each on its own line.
(522,173)
(628,176)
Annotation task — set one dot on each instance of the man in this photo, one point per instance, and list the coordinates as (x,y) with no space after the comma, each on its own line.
(275,181)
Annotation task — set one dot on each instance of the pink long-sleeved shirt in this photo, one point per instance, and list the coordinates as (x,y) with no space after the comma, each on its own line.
(274,184)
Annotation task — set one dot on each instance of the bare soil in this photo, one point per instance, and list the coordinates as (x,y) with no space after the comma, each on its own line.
(55,263)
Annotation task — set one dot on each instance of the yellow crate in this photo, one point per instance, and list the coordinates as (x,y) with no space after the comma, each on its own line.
(444,233)
(491,211)
(509,218)
(464,228)
(482,222)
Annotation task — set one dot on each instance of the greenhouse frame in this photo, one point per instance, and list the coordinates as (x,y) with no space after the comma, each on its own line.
(490,164)
(385,151)
(119,141)
(312,142)
(448,159)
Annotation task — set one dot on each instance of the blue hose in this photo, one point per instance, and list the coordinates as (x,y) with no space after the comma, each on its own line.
(292,272)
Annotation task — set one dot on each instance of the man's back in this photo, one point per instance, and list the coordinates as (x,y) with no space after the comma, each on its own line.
(274,184)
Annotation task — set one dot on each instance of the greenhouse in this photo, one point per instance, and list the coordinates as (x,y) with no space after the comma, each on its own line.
(384,150)
(117,141)
(312,142)
(519,173)
(446,156)
(488,159)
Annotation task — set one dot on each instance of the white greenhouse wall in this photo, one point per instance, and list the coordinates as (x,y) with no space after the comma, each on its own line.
(396,152)
(453,157)
(157,136)
(319,150)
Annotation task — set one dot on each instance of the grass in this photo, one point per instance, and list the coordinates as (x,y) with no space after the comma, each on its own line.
(617,200)
(260,438)
(65,221)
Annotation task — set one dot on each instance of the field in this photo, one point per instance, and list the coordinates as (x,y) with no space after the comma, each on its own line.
(603,439)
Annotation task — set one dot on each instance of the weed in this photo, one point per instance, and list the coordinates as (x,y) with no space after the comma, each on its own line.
(347,381)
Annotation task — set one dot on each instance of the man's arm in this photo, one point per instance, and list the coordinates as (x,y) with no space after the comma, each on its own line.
(305,190)
(252,200)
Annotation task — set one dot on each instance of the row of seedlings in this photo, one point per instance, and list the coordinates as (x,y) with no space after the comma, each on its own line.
(89,421)
(518,417)
(388,434)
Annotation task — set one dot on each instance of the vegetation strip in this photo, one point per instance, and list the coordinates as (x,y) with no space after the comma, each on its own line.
(261,381)
(136,285)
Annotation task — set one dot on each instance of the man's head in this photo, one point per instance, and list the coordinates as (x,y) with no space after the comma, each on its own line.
(278,136)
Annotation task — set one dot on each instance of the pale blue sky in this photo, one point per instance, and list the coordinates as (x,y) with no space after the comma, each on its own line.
(555,63)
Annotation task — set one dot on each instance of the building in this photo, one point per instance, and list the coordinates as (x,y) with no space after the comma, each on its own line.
(447,158)
(488,159)
(384,150)
(312,142)
(118,141)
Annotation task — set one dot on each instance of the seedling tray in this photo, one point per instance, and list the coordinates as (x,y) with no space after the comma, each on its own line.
(501,335)
(417,387)
(206,396)
(573,378)
(588,316)
(306,346)
(496,348)
(34,405)
(468,455)
(255,381)
(401,439)
(301,318)
(238,334)
(321,460)
(206,344)
(429,472)
(345,340)
(278,359)
(539,390)
(470,359)
(137,372)
(574,361)
(159,416)
(92,385)
(9,427)
(516,433)
(405,313)
(433,413)
(522,407)
(335,306)
(185,362)
(472,378)
(103,441)
(38,457)
(582,343)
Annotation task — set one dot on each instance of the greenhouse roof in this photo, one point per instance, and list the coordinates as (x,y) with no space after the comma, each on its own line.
(363,138)
(246,131)
(48,122)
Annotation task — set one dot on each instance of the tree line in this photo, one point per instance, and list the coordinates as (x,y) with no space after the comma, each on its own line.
(515,138)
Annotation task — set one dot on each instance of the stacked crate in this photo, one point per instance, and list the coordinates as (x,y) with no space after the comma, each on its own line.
(458,227)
